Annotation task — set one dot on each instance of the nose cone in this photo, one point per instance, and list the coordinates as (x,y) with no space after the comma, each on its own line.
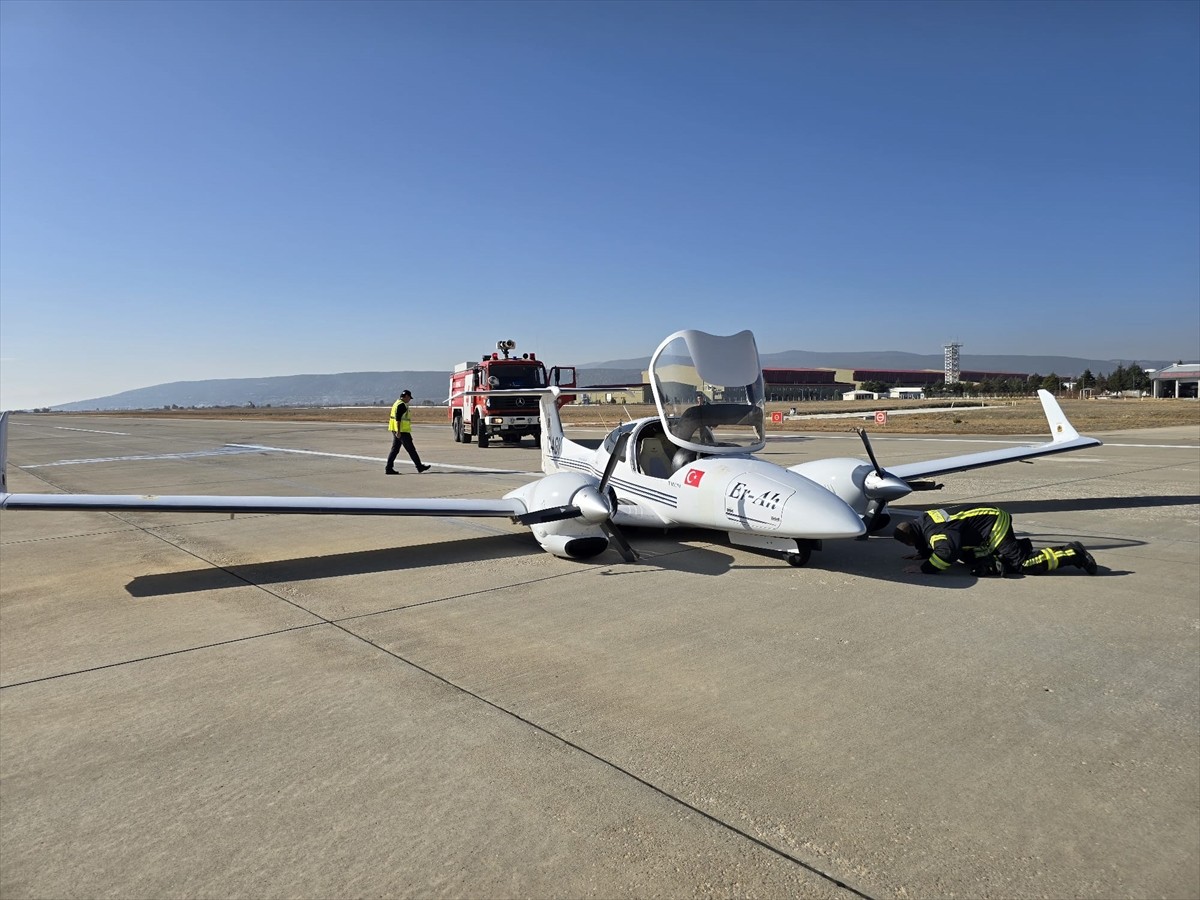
(593,506)
(817,513)
(885,487)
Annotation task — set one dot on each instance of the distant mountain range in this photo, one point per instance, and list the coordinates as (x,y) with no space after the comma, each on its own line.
(382,388)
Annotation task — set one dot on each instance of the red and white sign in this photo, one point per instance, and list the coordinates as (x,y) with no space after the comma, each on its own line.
(777,417)
(693,478)
(881,417)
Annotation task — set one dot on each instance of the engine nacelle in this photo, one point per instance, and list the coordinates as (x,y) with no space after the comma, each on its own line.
(574,538)
(584,542)
(845,477)
(863,489)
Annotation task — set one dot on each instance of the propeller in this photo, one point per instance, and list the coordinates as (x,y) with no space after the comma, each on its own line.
(594,504)
(880,487)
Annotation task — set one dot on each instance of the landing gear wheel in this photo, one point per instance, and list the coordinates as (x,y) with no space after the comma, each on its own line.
(803,554)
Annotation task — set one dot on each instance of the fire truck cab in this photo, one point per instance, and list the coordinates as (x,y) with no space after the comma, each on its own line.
(508,417)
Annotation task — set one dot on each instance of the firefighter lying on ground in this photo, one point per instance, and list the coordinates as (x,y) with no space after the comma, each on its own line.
(982,539)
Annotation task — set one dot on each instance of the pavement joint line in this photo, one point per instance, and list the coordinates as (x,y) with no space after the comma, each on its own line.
(720,823)
(488,590)
(541,729)
(165,654)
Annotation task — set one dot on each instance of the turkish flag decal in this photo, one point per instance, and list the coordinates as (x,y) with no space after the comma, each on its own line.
(693,477)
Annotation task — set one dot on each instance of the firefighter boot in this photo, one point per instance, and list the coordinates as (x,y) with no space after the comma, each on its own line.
(1082,558)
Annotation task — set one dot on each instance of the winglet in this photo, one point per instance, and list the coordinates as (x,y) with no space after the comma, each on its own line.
(1060,428)
(4,452)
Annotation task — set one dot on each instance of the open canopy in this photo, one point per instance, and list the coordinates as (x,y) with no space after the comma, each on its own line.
(709,391)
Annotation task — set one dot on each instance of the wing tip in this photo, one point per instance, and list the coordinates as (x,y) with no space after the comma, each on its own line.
(1061,429)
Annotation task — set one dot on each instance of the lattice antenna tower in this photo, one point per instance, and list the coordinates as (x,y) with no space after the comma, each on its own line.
(951,362)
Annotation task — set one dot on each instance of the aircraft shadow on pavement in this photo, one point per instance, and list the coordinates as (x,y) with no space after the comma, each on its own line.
(690,551)
(657,553)
(883,559)
(309,568)
(1084,504)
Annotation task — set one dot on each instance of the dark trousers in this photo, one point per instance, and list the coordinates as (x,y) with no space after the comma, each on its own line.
(1018,555)
(403,439)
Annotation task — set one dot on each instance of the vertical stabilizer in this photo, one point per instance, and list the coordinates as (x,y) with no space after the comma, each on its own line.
(4,452)
(552,429)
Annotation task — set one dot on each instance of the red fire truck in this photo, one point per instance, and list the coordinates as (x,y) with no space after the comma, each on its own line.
(506,416)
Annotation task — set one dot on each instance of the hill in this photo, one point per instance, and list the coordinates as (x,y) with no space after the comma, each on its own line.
(430,387)
(899,359)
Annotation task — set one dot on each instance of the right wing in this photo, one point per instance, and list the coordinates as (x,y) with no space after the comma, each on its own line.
(1063,437)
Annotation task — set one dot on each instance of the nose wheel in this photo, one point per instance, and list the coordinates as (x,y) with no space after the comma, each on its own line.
(803,554)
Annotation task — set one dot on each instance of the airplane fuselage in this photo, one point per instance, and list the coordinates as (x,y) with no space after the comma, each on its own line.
(735,494)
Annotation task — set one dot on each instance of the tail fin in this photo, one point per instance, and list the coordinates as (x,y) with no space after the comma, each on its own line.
(552,428)
(1060,428)
(4,452)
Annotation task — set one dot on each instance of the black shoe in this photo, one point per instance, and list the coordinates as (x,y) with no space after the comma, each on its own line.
(987,567)
(390,472)
(424,468)
(1083,559)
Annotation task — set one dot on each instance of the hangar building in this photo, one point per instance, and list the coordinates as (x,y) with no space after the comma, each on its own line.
(1179,380)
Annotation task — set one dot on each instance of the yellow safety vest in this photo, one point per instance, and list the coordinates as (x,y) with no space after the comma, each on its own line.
(405,423)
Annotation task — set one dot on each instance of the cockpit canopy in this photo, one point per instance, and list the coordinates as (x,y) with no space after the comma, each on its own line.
(709,392)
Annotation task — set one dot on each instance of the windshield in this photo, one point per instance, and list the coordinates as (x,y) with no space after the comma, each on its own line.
(709,391)
(516,377)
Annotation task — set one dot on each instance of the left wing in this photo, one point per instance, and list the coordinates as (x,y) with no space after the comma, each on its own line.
(337,506)
(1063,437)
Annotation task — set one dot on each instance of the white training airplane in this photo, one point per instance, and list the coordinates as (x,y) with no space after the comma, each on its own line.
(691,466)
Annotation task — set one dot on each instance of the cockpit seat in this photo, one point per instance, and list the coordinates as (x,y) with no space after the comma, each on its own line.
(653,457)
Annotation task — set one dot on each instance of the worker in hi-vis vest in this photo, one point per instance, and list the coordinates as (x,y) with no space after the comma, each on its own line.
(982,539)
(400,425)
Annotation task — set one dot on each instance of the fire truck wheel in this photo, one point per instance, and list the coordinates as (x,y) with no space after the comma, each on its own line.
(481,430)
(458,430)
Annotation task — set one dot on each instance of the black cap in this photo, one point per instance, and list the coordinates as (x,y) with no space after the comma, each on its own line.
(406,393)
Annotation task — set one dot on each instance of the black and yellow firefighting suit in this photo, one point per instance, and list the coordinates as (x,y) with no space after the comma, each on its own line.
(977,537)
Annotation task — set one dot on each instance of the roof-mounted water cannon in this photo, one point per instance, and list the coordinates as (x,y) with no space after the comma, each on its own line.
(506,347)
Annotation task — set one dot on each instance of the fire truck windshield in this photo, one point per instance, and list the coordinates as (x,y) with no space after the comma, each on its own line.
(515,377)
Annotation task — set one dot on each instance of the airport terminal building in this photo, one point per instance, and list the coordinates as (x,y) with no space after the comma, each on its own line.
(833,384)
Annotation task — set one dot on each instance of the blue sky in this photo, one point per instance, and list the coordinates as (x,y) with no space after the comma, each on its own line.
(236,189)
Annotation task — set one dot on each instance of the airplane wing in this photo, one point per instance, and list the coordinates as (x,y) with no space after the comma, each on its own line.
(1063,437)
(337,506)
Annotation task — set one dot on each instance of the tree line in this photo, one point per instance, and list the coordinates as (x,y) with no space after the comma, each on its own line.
(1123,378)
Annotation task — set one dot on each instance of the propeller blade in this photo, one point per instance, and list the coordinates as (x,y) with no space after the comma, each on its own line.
(862,433)
(593,504)
(926,485)
(550,514)
(615,536)
(612,461)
